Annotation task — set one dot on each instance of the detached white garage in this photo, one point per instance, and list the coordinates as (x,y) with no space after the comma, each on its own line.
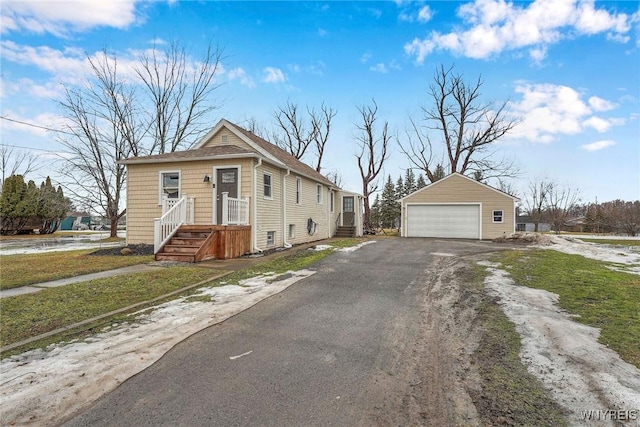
(458,207)
(449,221)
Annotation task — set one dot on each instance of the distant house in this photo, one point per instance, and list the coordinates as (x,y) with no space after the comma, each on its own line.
(458,207)
(525,223)
(76,221)
(239,191)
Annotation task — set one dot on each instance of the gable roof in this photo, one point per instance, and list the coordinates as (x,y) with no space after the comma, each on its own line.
(431,185)
(206,153)
(269,151)
(261,149)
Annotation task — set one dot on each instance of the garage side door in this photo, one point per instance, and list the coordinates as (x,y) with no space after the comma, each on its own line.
(449,221)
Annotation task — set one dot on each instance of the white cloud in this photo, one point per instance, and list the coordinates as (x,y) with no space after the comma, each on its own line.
(241,75)
(425,14)
(491,27)
(599,145)
(599,104)
(61,17)
(365,57)
(548,110)
(598,123)
(273,75)
(379,68)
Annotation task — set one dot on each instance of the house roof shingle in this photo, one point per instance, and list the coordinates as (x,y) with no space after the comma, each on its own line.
(205,153)
(191,155)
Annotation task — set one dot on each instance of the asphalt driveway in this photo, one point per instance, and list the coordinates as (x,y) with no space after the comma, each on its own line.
(323,352)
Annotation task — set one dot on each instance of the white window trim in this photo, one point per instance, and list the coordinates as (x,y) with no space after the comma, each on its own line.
(161,187)
(269,197)
(274,239)
(298,191)
(493,216)
(292,231)
(332,201)
(319,194)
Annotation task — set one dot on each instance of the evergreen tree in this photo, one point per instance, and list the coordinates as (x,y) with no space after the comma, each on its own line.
(420,182)
(375,212)
(387,204)
(14,204)
(400,188)
(439,172)
(409,182)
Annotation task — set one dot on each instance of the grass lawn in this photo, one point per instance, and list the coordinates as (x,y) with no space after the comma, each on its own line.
(508,391)
(618,242)
(21,270)
(29,315)
(603,298)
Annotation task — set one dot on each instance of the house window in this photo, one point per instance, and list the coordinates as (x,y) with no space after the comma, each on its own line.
(224,138)
(298,187)
(271,238)
(332,201)
(169,185)
(319,193)
(497,216)
(292,231)
(266,179)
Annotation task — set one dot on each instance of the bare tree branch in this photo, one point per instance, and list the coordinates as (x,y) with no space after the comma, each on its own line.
(373,143)
(468,128)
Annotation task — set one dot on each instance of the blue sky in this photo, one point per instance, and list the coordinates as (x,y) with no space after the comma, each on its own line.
(570,71)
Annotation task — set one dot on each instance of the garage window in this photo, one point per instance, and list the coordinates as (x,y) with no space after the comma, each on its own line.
(498,216)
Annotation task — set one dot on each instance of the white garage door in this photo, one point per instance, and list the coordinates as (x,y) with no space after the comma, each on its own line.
(452,221)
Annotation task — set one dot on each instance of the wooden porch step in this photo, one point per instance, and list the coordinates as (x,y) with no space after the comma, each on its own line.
(171,248)
(345,231)
(178,257)
(187,241)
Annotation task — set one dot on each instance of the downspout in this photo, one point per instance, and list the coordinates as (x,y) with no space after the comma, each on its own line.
(284,210)
(254,227)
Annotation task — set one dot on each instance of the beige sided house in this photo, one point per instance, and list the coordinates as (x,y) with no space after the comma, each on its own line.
(458,207)
(231,194)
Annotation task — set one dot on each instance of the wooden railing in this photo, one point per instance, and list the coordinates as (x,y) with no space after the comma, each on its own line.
(176,212)
(234,211)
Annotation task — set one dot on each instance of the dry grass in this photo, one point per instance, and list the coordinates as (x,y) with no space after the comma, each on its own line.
(22,270)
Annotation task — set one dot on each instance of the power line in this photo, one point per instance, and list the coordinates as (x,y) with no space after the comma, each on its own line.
(34,149)
(35,126)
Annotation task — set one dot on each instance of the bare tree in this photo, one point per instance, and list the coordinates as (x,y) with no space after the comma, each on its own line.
(105,129)
(111,118)
(468,128)
(17,162)
(373,142)
(179,93)
(537,198)
(560,202)
(298,131)
(335,177)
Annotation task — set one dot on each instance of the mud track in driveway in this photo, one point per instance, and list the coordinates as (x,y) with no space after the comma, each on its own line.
(432,358)
(437,378)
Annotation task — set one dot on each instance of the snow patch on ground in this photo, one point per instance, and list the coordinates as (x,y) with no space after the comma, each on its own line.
(624,255)
(581,373)
(44,387)
(347,249)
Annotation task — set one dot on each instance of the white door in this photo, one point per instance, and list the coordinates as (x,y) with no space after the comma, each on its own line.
(449,221)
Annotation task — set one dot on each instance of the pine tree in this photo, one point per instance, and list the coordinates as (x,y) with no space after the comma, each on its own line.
(375,212)
(409,182)
(439,173)
(387,204)
(420,183)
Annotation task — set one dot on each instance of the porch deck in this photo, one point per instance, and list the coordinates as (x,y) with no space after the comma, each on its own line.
(195,243)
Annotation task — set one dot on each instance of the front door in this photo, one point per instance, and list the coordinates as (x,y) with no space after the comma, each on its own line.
(226,181)
(348,211)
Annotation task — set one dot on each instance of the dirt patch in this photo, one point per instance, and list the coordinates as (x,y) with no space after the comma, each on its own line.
(129,250)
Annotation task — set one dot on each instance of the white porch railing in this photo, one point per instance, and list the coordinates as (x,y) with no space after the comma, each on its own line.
(234,211)
(175,212)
